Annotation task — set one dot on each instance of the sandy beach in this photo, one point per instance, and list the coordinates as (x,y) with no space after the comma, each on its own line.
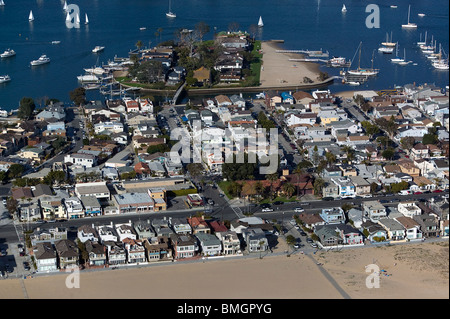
(414,271)
(278,71)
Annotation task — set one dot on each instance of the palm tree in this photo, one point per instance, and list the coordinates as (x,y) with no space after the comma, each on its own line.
(139,45)
(259,188)
(288,189)
(272,178)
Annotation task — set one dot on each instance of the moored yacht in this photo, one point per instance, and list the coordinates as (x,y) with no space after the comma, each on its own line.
(98,49)
(43,59)
(5,78)
(8,53)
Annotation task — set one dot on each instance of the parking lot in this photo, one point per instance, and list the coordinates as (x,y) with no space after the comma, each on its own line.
(13,261)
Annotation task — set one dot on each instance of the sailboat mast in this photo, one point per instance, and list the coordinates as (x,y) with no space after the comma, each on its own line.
(359,59)
(409,10)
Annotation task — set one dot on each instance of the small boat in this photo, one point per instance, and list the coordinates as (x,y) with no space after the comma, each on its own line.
(393,6)
(43,59)
(31,16)
(409,25)
(8,53)
(386,50)
(260,22)
(421,14)
(2,3)
(142,28)
(56,42)
(404,62)
(88,78)
(388,42)
(170,14)
(5,78)
(397,59)
(98,49)
(96,70)
(353,83)
(344,9)
(86,20)
(91,86)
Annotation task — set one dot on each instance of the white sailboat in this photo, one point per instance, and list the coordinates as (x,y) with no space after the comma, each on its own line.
(363,71)
(344,9)
(65,6)
(31,16)
(397,59)
(404,62)
(420,43)
(441,64)
(2,3)
(77,19)
(409,25)
(86,20)
(260,22)
(68,17)
(170,14)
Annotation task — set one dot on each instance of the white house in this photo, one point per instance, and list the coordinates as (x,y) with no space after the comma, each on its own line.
(80,159)
(113,127)
(292,119)
(346,187)
(125,230)
(74,208)
(210,244)
(411,226)
(409,209)
(374,210)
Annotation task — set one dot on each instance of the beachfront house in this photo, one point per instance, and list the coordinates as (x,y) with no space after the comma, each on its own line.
(210,244)
(374,210)
(96,252)
(184,245)
(135,251)
(230,243)
(116,253)
(255,240)
(158,248)
(68,254)
(333,215)
(411,226)
(395,230)
(87,232)
(45,257)
(374,232)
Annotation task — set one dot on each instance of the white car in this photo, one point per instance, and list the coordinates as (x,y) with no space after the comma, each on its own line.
(366,196)
(267,209)
(299,210)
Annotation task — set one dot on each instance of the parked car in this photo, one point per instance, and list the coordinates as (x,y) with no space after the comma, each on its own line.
(305,204)
(437,191)
(328,198)
(298,210)
(302,233)
(268,209)
(313,245)
(309,240)
(297,246)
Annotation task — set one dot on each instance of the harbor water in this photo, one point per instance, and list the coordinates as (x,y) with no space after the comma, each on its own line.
(302,24)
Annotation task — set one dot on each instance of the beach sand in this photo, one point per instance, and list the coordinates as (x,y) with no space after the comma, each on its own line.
(416,271)
(278,71)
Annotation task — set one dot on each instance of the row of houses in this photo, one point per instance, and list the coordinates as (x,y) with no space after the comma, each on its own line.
(375,222)
(148,241)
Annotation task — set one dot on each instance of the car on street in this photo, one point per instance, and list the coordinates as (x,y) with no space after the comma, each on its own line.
(267,209)
(437,191)
(309,240)
(313,245)
(210,202)
(302,233)
(297,246)
(221,195)
(278,202)
(299,210)
(328,198)
(305,204)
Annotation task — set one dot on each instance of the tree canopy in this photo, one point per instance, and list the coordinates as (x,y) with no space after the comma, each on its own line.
(26,108)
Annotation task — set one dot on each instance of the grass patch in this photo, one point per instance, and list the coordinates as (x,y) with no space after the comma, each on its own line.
(223,185)
(278,199)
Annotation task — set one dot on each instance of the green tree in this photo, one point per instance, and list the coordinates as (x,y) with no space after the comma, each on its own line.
(15,171)
(201,28)
(78,96)
(318,185)
(388,153)
(290,240)
(26,108)
(430,139)
(288,189)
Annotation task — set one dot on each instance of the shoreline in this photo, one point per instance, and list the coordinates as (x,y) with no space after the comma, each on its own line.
(412,271)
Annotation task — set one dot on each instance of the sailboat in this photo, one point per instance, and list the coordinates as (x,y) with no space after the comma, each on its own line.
(170,14)
(68,17)
(387,47)
(397,59)
(2,3)
(420,43)
(65,6)
(77,19)
(388,43)
(409,25)
(364,72)
(31,16)
(404,62)
(344,9)
(260,22)
(440,64)
(86,20)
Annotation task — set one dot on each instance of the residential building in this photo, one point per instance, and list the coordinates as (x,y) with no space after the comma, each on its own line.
(311,221)
(158,248)
(97,253)
(374,210)
(107,233)
(135,250)
(45,257)
(180,226)
(210,244)
(97,189)
(184,246)
(81,159)
(48,235)
(91,206)
(395,230)
(376,233)
(255,240)
(334,215)
(68,254)
(362,186)
(116,253)
(198,225)
(429,225)
(409,209)
(52,208)
(144,229)
(346,187)
(73,207)
(125,230)
(230,242)
(87,233)
(411,226)
(328,236)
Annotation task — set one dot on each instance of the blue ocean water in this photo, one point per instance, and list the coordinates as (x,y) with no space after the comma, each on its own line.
(303,24)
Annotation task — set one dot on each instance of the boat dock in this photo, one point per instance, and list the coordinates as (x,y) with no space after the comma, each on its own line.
(314,54)
(309,60)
